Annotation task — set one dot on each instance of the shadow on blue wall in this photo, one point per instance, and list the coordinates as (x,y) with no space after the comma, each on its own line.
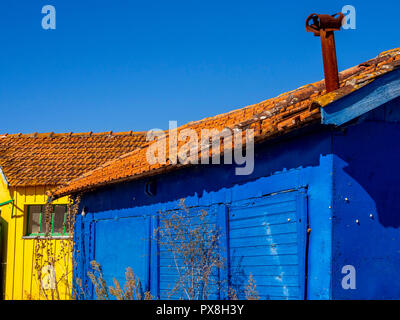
(367,209)
(373,161)
(196,181)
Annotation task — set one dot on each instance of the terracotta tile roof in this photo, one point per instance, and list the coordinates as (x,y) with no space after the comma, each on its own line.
(269,118)
(54,158)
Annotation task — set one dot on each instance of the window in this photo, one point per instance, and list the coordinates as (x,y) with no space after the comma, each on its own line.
(37,226)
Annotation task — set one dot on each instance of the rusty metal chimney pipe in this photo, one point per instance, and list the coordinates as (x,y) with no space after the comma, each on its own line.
(324,25)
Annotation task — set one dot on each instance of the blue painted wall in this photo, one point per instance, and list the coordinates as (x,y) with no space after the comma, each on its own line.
(303,161)
(367,173)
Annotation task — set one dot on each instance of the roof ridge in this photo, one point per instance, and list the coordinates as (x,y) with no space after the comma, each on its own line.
(391,52)
(70,134)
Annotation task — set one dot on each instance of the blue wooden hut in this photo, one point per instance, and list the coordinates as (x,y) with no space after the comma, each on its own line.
(318,217)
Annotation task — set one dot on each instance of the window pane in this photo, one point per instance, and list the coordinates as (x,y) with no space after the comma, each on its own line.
(45,217)
(34,219)
(67,222)
(59,214)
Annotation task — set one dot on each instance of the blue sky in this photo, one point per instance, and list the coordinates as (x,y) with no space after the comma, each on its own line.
(134,65)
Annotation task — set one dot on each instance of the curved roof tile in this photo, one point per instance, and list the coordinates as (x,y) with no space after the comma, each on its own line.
(55,158)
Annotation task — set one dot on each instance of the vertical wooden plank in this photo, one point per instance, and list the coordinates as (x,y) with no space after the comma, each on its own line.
(10,247)
(155,258)
(78,254)
(22,241)
(223,228)
(43,194)
(58,269)
(66,269)
(87,253)
(301,209)
(19,244)
(13,222)
(28,248)
(16,247)
(147,253)
(39,191)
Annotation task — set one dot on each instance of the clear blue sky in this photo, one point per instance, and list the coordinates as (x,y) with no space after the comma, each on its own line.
(133,65)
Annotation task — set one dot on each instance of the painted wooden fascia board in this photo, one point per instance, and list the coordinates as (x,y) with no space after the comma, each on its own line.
(365,99)
(4,177)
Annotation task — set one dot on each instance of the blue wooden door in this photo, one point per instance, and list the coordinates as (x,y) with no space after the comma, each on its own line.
(122,243)
(267,238)
(172,270)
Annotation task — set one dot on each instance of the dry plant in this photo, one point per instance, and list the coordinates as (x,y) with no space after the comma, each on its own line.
(99,283)
(132,289)
(48,259)
(250,292)
(192,243)
(232,294)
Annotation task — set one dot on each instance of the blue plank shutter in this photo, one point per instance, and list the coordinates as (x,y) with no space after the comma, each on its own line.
(267,238)
(168,266)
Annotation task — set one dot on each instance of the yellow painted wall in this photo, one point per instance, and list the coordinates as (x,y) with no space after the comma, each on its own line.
(19,278)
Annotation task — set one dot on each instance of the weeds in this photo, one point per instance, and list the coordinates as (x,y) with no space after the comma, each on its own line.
(53,265)
(132,289)
(250,291)
(98,281)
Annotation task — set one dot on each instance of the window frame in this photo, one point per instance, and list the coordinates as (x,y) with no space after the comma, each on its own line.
(52,233)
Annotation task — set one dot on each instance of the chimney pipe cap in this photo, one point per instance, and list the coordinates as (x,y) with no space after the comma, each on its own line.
(324,22)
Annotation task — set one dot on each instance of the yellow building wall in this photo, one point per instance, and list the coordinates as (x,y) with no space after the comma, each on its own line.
(20,263)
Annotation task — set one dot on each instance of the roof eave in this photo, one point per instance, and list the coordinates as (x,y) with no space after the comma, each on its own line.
(371,96)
